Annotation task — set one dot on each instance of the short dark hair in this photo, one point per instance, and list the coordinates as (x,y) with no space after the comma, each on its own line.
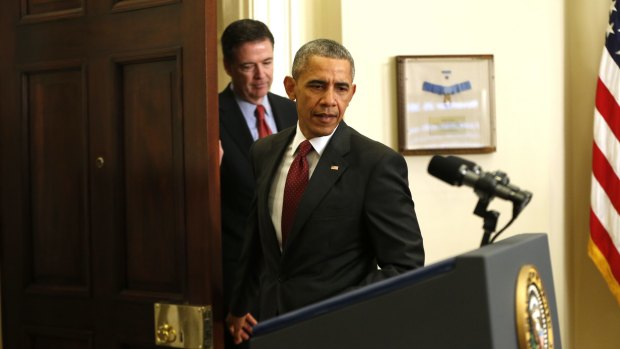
(239,32)
(322,48)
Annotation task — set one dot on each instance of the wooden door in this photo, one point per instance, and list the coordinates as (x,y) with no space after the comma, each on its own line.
(108,169)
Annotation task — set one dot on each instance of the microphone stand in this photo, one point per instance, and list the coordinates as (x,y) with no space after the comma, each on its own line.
(490,218)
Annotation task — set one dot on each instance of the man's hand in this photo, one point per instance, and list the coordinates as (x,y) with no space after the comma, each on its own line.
(240,327)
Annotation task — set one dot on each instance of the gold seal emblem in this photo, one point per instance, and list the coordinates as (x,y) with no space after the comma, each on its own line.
(534,327)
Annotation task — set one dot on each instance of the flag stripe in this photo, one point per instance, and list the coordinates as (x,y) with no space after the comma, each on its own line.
(605,176)
(608,108)
(605,245)
(605,212)
(606,142)
(609,74)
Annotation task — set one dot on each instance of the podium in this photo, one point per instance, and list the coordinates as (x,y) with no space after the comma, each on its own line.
(498,296)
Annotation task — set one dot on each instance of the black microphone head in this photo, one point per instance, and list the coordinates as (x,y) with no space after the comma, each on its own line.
(448,169)
(470,164)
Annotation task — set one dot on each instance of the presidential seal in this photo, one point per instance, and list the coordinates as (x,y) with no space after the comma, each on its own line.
(534,327)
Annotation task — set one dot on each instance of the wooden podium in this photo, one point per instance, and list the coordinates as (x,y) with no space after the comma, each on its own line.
(499,296)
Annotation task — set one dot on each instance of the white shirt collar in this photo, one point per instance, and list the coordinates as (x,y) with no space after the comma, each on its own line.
(318,143)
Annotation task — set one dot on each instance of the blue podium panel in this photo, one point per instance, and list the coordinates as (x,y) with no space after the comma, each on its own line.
(464,302)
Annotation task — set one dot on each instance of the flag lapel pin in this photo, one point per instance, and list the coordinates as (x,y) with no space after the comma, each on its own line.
(334,168)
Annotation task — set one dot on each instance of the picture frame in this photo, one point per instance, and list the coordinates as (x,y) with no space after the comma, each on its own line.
(446,104)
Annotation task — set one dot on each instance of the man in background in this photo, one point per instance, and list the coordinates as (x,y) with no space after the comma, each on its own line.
(247,111)
(331,204)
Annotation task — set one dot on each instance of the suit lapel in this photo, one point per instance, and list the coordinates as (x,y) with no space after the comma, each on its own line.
(234,121)
(331,166)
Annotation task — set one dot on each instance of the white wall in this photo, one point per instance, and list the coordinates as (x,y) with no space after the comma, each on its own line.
(527,41)
(293,23)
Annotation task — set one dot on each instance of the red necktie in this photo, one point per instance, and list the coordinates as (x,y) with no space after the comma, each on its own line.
(296,182)
(261,124)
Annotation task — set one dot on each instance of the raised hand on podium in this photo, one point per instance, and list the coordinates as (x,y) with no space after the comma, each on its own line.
(240,327)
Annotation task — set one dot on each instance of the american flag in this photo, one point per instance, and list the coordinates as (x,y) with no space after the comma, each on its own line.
(604,244)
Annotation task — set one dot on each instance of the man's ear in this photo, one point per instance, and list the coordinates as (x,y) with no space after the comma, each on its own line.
(289,86)
(353,89)
(227,67)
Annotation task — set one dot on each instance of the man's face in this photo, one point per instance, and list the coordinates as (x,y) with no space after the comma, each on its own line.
(252,70)
(323,92)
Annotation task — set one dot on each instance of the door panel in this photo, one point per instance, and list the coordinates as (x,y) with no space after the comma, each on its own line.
(109,169)
(56,249)
(152,154)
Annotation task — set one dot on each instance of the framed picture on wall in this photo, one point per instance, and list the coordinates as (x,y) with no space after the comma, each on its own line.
(446,104)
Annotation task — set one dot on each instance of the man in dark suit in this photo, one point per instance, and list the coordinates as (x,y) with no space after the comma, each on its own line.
(248,59)
(355,214)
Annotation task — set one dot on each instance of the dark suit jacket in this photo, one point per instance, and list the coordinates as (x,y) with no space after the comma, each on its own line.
(355,214)
(236,180)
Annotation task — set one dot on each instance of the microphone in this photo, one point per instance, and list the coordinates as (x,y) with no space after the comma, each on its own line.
(458,171)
